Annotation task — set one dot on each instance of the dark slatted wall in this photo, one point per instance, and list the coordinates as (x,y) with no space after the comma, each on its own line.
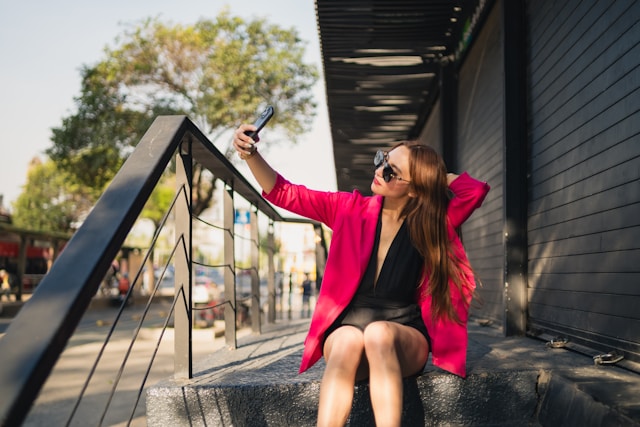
(479,152)
(432,133)
(584,206)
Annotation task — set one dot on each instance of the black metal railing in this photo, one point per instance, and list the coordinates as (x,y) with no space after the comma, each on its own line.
(39,333)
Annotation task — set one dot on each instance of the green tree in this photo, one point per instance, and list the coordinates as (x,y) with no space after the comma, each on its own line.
(160,200)
(219,72)
(50,201)
(92,144)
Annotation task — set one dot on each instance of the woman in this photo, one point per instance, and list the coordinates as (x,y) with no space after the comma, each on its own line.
(397,282)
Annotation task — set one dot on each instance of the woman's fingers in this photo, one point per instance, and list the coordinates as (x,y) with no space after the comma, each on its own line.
(243,143)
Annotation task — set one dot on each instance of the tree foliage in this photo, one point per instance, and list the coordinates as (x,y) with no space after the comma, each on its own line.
(92,144)
(50,201)
(160,200)
(219,72)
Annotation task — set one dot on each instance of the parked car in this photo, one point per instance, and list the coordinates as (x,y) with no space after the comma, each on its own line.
(205,297)
(166,288)
(204,289)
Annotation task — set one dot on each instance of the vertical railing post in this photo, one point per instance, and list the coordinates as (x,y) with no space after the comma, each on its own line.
(271,275)
(230,270)
(182,276)
(256,317)
(182,312)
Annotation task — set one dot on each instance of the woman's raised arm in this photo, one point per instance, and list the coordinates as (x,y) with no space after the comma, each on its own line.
(261,170)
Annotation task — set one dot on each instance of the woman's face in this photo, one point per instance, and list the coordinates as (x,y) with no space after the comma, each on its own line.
(399,185)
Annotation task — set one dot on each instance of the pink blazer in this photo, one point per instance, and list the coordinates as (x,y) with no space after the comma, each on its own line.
(353,218)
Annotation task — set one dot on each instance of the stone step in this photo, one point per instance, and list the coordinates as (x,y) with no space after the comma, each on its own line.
(511,381)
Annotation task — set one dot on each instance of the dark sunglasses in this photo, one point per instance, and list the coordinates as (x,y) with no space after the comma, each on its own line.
(381,159)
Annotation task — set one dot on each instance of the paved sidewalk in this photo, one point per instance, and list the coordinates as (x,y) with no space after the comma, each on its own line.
(59,394)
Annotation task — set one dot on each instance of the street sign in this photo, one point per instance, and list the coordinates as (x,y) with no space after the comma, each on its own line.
(242,216)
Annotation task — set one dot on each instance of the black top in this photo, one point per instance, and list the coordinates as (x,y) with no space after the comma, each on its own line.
(400,274)
(393,297)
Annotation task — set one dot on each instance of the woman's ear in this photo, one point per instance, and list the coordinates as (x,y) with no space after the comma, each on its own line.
(412,194)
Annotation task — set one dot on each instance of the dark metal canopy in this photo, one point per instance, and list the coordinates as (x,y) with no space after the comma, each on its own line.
(382,62)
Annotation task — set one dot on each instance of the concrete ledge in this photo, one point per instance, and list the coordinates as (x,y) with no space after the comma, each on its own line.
(431,399)
(511,381)
(579,399)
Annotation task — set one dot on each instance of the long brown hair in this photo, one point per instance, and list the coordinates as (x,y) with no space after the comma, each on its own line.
(426,216)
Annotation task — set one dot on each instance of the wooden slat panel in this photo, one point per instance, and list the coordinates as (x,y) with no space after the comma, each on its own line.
(620,328)
(622,305)
(588,122)
(598,193)
(622,283)
(584,200)
(572,58)
(480,152)
(608,241)
(432,132)
(602,262)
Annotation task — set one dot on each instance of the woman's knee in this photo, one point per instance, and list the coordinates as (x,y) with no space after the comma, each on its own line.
(379,336)
(345,343)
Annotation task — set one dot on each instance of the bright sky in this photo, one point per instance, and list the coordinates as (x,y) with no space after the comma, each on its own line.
(44,43)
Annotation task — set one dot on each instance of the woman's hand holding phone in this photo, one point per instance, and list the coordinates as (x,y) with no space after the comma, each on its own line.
(247,135)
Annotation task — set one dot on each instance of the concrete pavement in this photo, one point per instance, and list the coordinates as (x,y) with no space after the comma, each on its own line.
(59,394)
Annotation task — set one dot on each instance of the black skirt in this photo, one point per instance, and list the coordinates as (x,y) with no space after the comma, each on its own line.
(364,311)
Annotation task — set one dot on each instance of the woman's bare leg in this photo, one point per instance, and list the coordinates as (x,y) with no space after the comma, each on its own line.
(343,351)
(393,351)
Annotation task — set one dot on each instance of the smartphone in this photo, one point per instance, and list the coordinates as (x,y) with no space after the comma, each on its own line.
(261,121)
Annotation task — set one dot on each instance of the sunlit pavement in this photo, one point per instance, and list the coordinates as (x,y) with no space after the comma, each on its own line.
(60,393)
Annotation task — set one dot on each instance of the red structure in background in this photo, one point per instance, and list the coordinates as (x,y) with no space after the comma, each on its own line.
(38,261)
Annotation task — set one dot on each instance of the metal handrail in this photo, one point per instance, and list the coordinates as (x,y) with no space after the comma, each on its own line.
(39,333)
